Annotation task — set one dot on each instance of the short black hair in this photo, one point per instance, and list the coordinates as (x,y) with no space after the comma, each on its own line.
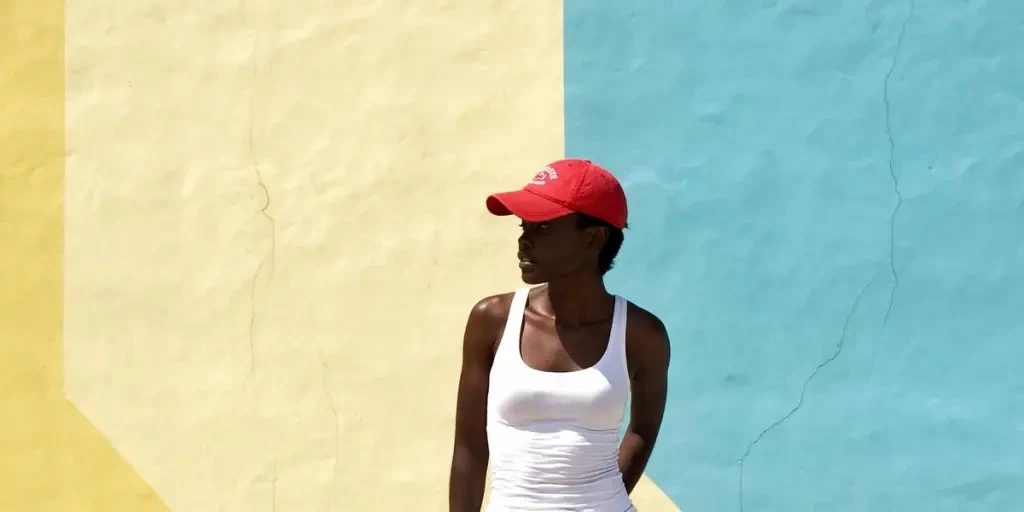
(606,258)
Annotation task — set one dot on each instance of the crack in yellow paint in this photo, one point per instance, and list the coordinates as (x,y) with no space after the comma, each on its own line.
(54,459)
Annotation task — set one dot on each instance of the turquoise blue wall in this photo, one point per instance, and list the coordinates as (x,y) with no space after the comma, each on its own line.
(828,211)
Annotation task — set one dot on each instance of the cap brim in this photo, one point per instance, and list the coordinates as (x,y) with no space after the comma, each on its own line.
(525,205)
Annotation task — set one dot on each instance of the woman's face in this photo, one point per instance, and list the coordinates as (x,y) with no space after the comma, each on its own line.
(557,248)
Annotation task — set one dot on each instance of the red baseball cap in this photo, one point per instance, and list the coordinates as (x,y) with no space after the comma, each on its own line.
(564,187)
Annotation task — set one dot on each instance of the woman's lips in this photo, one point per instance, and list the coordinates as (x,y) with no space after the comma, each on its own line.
(525,263)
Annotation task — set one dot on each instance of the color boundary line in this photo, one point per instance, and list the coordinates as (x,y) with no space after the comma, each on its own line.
(54,459)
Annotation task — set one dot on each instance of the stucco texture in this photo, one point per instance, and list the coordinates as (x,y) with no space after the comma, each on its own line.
(53,458)
(828,211)
(241,241)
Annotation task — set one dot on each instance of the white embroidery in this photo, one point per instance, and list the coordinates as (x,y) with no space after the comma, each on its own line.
(545,175)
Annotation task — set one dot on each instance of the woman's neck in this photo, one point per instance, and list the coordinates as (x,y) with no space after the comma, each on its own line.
(577,300)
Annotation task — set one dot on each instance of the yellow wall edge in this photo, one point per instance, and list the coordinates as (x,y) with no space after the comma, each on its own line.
(54,460)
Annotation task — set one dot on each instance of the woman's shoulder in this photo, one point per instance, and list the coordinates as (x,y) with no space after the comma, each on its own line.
(646,332)
(496,307)
(492,307)
(488,317)
(642,320)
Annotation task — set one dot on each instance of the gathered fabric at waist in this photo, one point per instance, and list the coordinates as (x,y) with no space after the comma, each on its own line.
(555,467)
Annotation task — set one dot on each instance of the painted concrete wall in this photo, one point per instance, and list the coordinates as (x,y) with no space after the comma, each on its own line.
(240,242)
(828,209)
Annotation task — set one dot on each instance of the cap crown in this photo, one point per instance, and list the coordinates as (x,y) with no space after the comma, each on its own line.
(584,187)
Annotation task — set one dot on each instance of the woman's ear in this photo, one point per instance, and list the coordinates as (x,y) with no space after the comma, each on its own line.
(596,238)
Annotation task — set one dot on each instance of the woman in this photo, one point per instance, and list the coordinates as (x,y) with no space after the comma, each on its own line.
(546,370)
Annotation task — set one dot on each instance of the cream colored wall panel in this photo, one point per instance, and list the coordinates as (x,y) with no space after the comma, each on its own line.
(275,230)
(301,351)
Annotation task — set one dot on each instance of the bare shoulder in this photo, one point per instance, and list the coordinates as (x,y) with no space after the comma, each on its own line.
(647,338)
(644,325)
(493,308)
(487,319)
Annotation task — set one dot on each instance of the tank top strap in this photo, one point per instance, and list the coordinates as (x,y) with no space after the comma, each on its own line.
(513,326)
(618,337)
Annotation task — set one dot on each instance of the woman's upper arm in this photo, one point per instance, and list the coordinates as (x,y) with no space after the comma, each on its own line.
(481,332)
(652,353)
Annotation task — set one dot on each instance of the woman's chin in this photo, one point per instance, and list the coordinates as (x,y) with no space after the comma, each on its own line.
(530,275)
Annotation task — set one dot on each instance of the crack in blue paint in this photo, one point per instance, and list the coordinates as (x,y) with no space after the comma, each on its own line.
(840,345)
(892,260)
(892,170)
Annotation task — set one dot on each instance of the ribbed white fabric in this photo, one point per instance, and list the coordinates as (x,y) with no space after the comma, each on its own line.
(554,437)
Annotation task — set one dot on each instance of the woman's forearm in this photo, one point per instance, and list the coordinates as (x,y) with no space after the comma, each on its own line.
(634,452)
(466,483)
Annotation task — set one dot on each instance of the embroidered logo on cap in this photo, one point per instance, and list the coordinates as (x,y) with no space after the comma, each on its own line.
(545,175)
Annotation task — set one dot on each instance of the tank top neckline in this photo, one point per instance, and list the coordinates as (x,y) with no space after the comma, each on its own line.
(522,301)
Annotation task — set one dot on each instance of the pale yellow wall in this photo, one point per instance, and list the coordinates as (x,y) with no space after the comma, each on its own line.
(53,459)
(242,353)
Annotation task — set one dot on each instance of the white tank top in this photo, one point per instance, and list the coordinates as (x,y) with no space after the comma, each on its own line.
(553,436)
